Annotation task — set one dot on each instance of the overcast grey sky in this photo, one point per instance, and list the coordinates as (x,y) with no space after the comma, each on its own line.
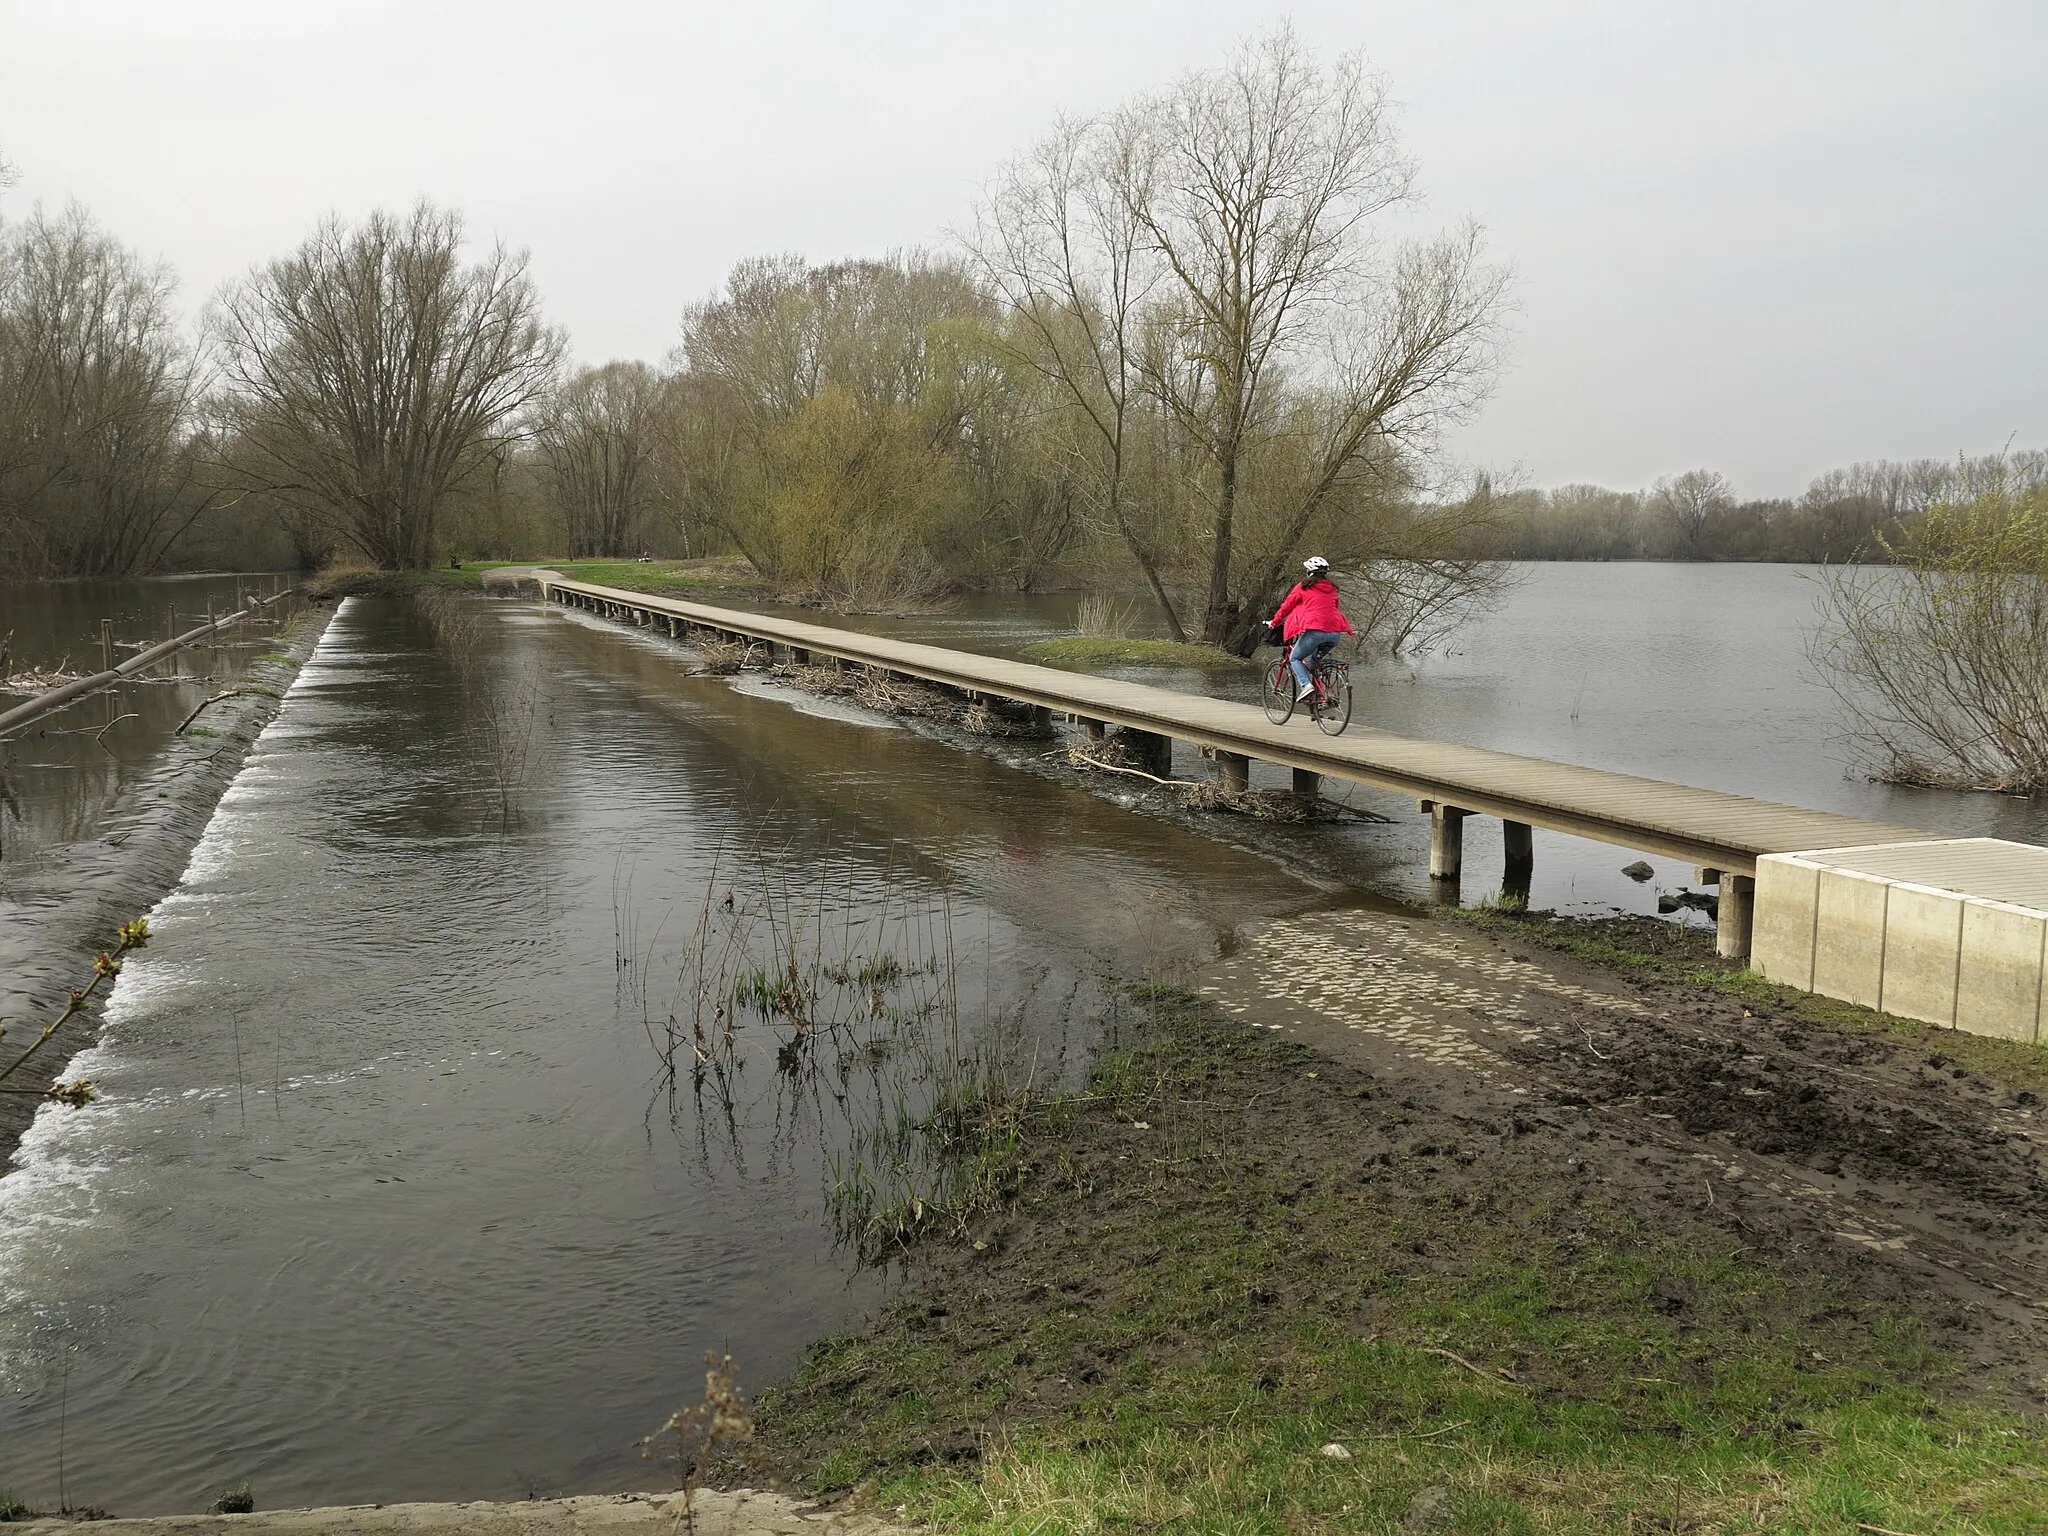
(1770,238)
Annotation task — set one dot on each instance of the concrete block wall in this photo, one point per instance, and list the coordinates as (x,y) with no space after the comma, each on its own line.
(1846,923)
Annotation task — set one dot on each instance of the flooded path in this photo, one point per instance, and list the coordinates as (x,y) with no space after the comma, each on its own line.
(386,1198)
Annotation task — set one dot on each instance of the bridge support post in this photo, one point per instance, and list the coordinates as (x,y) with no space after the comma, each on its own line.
(1234,771)
(1153,752)
(1518,845)
(1092,730)
(1734,917)
(1306,783)
(1446,840)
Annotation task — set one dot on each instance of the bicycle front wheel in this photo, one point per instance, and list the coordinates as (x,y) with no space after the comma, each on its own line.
(1336,711)
(1277,692)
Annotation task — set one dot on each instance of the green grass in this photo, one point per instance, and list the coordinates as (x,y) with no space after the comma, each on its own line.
(1084,651)
(365,581)
(663,578)
(670,578)
(1208,1273)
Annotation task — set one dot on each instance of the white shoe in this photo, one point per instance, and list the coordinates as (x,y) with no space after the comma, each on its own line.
(1305,695)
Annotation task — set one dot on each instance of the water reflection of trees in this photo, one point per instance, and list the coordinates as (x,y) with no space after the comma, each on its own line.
(498,692)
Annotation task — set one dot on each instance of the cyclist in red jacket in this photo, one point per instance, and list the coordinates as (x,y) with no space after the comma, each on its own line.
(1310,620)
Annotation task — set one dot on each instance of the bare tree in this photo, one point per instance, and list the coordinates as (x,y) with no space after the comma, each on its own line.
(597,439)
(1202,262)
(95,402)
(1689,502)
(1068,257)
(372,371)
(1942,657)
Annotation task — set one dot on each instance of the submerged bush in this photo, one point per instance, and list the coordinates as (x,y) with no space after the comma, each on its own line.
(1942,660)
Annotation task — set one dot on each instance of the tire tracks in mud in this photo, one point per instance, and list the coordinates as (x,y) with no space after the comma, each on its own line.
(1928,1182)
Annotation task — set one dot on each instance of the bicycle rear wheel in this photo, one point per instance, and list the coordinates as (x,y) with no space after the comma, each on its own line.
(1336,711)
(1276,693)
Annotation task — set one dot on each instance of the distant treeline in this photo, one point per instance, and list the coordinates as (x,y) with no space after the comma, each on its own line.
(1173,352)
(1841,517)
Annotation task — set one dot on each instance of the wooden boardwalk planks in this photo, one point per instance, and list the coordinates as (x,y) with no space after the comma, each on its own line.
(1707,826)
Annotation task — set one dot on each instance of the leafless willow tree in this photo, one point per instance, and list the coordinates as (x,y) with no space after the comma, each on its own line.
(373,370)
(96,468)
(1941,657)
(598,437)
(851,430)
(1200,274)
(1690,502)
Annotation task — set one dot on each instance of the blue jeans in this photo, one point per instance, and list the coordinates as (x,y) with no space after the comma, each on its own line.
(1308,645)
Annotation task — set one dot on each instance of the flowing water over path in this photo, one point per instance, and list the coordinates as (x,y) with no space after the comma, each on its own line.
(384,1200)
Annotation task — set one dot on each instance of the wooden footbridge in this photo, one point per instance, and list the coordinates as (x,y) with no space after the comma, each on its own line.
(1722,834)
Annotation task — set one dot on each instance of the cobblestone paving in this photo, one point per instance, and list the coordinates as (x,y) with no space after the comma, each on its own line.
(1406,996)
(1436,996)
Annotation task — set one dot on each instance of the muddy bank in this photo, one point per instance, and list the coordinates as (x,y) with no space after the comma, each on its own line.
(1532,1243)
(738,1513)
(56,913)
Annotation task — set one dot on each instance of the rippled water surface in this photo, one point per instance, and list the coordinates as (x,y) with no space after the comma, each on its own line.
(385,1199)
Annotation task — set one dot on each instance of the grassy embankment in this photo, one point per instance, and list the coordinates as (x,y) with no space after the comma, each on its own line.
(664,578)
(1083,652)
(1228,1253)
(731,576)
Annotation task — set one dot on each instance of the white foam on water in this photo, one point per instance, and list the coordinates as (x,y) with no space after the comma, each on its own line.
(61,1164)
(825,708)
(219,846)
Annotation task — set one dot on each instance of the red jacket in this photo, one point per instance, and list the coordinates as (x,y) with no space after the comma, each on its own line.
(1311,605)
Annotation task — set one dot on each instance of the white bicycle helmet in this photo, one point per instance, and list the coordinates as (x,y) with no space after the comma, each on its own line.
(1315,565)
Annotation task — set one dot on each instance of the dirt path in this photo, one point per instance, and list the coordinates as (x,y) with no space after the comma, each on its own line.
(1798,1137)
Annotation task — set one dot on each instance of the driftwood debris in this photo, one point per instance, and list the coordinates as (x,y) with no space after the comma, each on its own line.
(203,705)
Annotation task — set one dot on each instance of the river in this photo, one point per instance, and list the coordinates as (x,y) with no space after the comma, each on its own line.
(389,1195)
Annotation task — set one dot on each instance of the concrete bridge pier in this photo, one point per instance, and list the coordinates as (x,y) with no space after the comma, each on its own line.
(1518,866)
(1092,730)
(1234,771)
(1307,783)
(1735,912)
(1446,840)
(1153,752)
(1446,850)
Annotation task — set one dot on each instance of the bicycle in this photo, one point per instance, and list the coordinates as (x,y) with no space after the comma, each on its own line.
(1330,707)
